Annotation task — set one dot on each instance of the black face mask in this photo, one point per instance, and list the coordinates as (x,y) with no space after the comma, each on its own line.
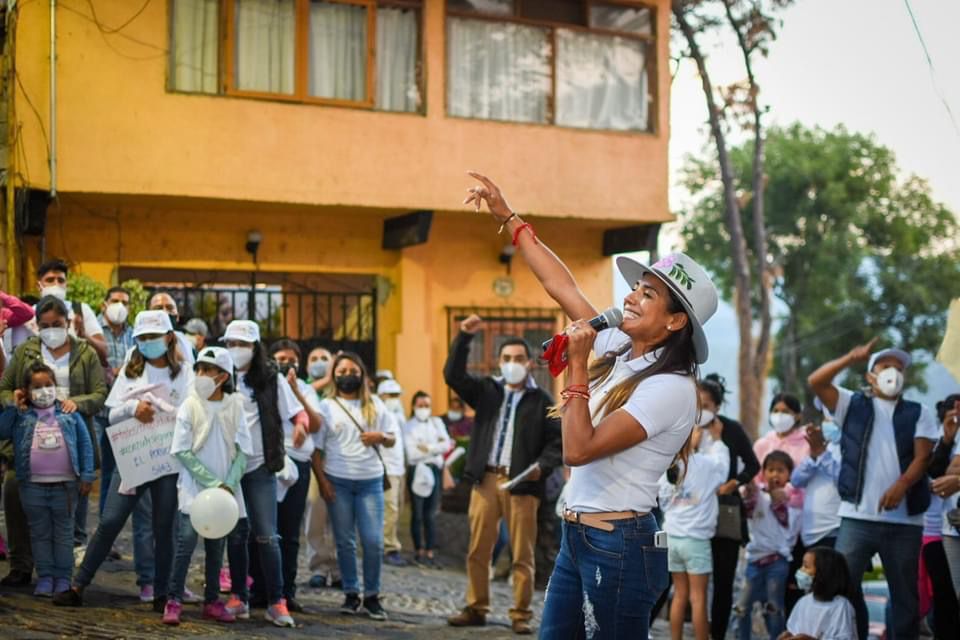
(348,383)
(286,367)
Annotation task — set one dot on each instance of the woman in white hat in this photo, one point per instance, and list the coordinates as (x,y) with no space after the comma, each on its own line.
(154,381)
(627,417)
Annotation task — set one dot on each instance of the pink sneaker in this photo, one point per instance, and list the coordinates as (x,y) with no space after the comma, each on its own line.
(225,583)
(171,613)
(3,549)
(218,611)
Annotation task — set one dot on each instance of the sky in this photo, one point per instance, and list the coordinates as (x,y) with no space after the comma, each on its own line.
(853,62)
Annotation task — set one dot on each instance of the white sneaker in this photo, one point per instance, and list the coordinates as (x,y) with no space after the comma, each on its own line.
(238,608)
(190,596)
(278,614)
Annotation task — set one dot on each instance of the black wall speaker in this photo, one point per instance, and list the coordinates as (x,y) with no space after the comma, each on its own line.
(642,237)
(407,230)
(31,211)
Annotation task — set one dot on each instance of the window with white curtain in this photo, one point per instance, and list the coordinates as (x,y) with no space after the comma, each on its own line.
(301,50)
(574,63)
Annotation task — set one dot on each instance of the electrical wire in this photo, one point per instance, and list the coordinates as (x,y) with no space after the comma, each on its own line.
(108,30)
(933,75)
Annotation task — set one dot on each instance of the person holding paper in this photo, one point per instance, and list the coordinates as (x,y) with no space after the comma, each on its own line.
(627,416)
(512,431)
(148,391)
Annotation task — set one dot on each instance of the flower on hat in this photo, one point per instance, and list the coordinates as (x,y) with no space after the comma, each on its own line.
(665,262)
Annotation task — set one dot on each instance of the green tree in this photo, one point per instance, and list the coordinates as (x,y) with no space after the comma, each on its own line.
(857,251)
(83,288)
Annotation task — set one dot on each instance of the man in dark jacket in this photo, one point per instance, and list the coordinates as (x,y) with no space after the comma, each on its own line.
(511,434)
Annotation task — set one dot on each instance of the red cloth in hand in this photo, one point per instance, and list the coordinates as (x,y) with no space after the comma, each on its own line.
(556,354)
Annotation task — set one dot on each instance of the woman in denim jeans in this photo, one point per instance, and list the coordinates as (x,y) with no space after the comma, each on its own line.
(355,424)
(626,417)
(54,462)
(153,381)
(270,407)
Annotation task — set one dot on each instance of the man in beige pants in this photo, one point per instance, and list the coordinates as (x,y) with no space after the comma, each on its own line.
(390,392)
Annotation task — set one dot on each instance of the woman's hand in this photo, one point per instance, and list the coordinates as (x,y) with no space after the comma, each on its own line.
(490,193)
(20,399)
(327,491)
(815,439)
(727,488)
(372,438)
(85,488)
(144,412)
(946,486)
(950,425)
(299,435)
(581,336)
(68,406)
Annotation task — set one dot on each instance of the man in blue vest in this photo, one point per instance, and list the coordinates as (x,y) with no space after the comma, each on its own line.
(885,448)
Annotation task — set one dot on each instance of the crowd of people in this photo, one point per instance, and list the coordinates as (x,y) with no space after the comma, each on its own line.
(661,487)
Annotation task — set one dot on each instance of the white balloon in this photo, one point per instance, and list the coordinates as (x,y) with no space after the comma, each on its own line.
(214,513)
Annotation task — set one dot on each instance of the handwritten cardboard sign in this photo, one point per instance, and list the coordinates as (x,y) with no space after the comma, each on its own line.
(142,450)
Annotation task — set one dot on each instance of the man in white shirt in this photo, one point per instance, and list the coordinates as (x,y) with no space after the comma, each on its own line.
(83,324)
(886,442)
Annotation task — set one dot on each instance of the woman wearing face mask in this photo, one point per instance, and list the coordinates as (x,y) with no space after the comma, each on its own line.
(817,475)
(787,434)
(459,424)
(425,439)
(626,418)
(80,388)
(732,522)
(271,410)
(319,369)
(153,379)
(356,425)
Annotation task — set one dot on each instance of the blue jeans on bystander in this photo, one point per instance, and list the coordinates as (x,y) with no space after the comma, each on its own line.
(213,559)
(260,496)
(358,507)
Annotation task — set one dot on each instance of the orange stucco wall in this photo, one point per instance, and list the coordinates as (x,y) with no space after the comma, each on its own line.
(120,131)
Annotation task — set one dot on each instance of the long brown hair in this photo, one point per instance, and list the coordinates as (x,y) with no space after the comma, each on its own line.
(367,408)
(137,362)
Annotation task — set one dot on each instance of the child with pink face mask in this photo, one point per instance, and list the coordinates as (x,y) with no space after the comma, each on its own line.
(53,457)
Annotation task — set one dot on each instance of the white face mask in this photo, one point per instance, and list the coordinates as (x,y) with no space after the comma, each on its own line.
(782,422)
(890,382)
(706,417)
(44,397)
(241,356)
(116,313)
(394,405)
(56,291)
(513,372)
(205,386)
(422,413)
(53,337)
(454,416)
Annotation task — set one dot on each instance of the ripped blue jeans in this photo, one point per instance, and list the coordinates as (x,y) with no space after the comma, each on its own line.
(604,584)
(766,584)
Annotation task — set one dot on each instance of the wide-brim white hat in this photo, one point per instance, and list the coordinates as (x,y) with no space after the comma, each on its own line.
(689,282)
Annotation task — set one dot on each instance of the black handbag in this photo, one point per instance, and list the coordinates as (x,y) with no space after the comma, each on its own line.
(729,522)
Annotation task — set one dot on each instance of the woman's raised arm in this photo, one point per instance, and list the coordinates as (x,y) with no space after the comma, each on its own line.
(556,279)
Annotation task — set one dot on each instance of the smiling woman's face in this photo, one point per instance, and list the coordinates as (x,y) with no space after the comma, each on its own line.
(646,312)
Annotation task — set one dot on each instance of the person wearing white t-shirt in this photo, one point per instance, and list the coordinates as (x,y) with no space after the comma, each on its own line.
(211,442)
(426,440)
(944,471)
(52,281)
(885,444)
(626,417)
(824,613)
(690,508)
(271,411)
(356,424)
(153,381)
(817,476)
(389,390)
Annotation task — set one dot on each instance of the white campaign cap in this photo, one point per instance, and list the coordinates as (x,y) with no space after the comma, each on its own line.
(905,359)
(243,330)
(689,282)
(389,386)
(151,322)
(384,373)
(217,356)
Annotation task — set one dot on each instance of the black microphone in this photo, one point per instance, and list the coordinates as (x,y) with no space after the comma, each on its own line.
(609,319)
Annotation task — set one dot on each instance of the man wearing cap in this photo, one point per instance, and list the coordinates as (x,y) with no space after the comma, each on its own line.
(885,446)
(197,333)
(390,391)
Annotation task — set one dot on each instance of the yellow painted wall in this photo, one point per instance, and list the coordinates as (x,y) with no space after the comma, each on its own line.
(120,131)
(456,268)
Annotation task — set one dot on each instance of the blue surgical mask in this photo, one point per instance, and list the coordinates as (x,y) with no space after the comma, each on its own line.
(831,432)
(804,580)
(152,349)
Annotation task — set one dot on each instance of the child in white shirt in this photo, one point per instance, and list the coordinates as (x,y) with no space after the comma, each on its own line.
(824,613)
(774,527)
(690,510)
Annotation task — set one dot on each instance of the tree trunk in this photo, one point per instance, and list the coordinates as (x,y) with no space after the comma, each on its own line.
(746,358)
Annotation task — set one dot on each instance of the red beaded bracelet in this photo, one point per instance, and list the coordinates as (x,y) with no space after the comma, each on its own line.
(518,230)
